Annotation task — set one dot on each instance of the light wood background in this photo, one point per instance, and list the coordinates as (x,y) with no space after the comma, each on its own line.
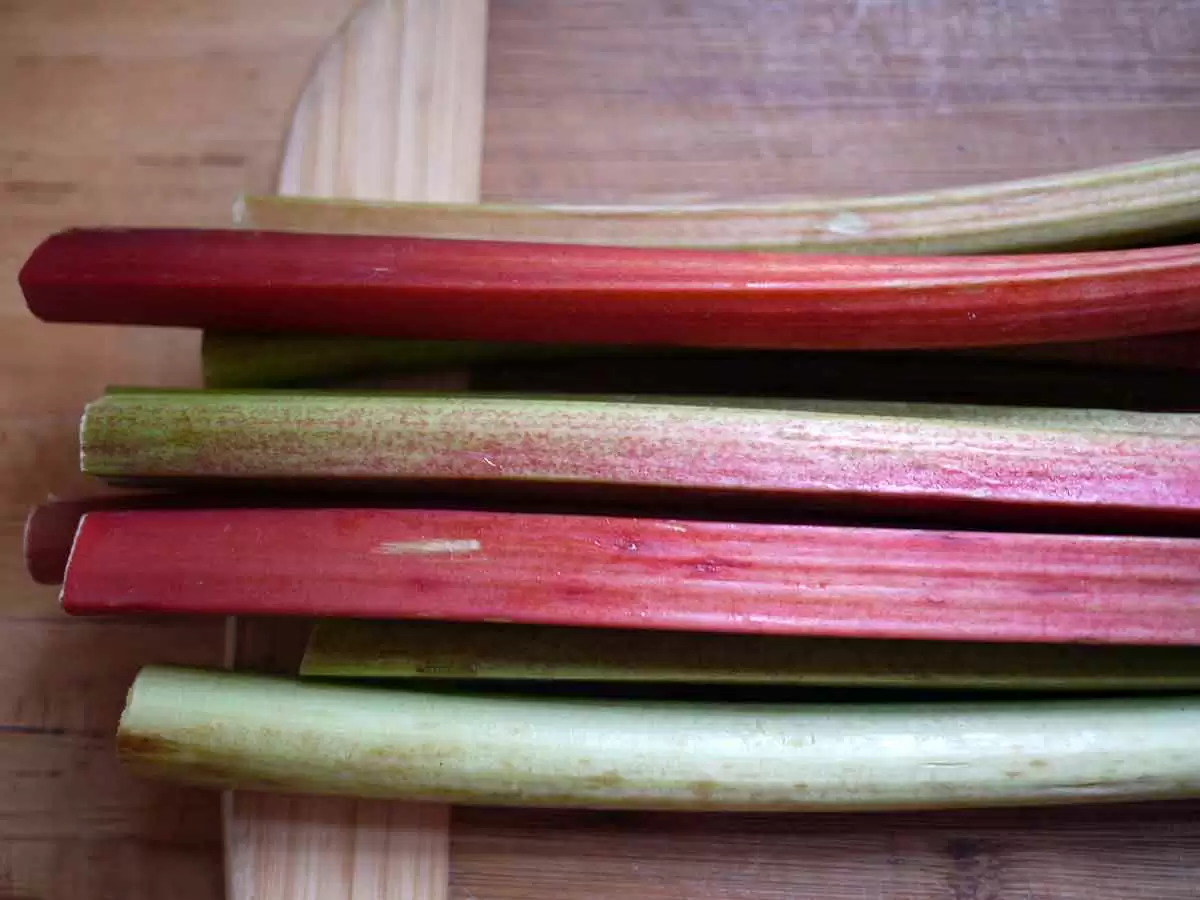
(161,111)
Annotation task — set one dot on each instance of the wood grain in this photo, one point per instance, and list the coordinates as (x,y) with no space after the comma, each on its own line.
(149,113)
(326,848)
(1086,853)
(129,112)
(695,101)
(394,110)
(72,822)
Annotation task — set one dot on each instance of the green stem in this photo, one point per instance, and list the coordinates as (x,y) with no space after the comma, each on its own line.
(240,731)
(256,360)
(1037,375)
(1113,206)
(454,650)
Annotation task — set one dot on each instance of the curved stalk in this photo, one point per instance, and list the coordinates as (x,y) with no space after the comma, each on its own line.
(1113,206)
(493,291)
(242,731)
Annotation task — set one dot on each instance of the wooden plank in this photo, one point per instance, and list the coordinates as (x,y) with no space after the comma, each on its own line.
(660,100)
(1082,853)
(71,819)
(394,111)
(325,848)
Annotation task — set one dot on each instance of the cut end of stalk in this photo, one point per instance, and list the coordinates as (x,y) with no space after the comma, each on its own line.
(49,535)
(62,593)
(85,421)
(39,545)
(137,748)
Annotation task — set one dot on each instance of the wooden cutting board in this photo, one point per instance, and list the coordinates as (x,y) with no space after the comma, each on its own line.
(395,110)
(140,112)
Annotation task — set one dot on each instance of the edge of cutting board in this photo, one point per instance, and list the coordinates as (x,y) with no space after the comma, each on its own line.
(393,111)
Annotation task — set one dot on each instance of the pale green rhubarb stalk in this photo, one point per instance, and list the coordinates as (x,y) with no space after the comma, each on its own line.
(1114,206)
(343,648)
(228,730)
(985,461)
(1121,205)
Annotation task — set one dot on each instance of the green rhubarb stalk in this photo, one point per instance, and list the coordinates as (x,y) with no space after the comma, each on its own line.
(342,648)
(257,360)
(1124,205)
(123,411)
(1059,370)
(237,731)
(1065,465)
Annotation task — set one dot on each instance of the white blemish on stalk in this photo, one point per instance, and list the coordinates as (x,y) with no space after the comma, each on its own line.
(847,222)
(400,548)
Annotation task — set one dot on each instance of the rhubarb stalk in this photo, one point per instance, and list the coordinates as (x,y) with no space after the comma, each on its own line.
(226,730)
(345,648)
(261,360)
(1136,203)
(980,376)
(983,461)
(538,293)
(638,573)
(1180,351)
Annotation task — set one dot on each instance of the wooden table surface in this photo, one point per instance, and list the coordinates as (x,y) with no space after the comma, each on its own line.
(162,111)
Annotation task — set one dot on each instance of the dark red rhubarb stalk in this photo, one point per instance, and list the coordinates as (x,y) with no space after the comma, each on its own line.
(638,573)
(496,291)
